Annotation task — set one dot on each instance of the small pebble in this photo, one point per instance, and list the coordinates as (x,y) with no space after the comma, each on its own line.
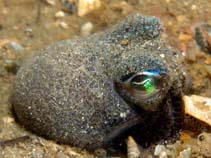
(17,47)
(159,149)
(87,6)
(86,29)
(72,153)
(7,119)
(63,25)
(162,55)
(15,27)
(185,153)
(193,7)
(184,37)
(29,32)
(50,2)
(59,14)
(124,42)
(163,155)
(181,18)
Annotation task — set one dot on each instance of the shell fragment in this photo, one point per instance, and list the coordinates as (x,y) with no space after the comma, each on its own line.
(198,107)
(132,148)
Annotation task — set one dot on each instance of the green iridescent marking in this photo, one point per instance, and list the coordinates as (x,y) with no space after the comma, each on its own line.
(149,86)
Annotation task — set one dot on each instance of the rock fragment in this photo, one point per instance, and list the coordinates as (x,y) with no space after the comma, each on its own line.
(86,29)
(87,6)
(59,14)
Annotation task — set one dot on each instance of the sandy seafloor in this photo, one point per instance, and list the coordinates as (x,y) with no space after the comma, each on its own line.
(19,23)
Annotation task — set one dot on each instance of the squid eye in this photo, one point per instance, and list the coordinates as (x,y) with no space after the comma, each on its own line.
(148,81)
(145,83)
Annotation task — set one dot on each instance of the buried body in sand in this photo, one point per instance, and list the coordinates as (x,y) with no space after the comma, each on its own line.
(96,91)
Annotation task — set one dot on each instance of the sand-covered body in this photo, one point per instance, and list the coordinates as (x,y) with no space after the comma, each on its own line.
(67,92)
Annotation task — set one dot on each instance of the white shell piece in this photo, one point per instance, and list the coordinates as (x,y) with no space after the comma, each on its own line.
(199,107)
